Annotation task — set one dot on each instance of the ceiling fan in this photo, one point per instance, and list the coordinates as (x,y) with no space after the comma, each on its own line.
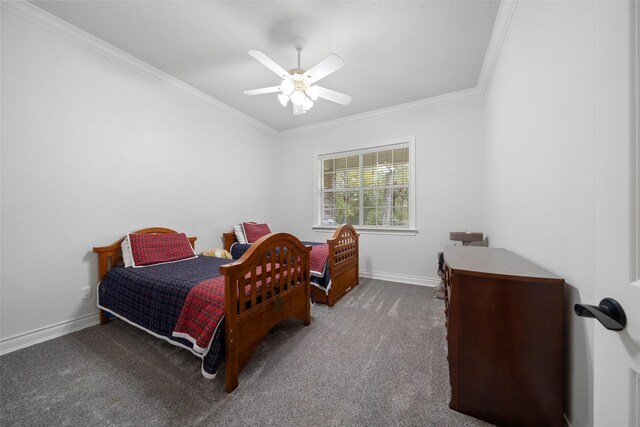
(297,84)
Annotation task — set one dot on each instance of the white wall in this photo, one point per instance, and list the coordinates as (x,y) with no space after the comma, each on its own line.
(541,144)
(449,168)
(92,149)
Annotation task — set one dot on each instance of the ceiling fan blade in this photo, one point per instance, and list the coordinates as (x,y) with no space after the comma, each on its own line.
(332,95)
(298,110)
(260,91)
(269,63)
(323,68)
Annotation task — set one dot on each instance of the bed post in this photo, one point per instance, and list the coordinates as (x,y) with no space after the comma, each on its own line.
(307,262)
(228,240)
(103,267)
(231,332)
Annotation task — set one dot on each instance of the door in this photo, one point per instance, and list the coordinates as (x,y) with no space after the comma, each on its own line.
(616,355)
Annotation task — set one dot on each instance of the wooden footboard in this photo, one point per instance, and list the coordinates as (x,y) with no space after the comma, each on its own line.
(343,263)
(269,283)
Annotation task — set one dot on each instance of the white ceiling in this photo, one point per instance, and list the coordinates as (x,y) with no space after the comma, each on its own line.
(394,51)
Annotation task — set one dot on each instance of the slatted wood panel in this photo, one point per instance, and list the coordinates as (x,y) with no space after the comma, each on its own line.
(272,277)
(346,247)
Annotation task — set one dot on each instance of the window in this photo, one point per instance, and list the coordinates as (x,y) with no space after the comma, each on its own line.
(368,188)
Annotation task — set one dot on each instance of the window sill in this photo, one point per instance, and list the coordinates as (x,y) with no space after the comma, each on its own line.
(370,230)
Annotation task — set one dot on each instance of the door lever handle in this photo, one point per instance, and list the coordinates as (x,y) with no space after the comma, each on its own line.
(609,313)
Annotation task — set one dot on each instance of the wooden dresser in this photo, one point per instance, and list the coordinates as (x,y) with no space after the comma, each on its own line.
(504,332)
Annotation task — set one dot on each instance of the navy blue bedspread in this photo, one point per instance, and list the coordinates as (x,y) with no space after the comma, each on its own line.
(152,298)
(238,249)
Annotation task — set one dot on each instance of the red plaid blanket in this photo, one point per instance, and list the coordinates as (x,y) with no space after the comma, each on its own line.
(201,313)
(319,255)
(203,309)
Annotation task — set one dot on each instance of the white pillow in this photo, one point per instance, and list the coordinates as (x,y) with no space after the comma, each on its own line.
(127,258)
(240,234)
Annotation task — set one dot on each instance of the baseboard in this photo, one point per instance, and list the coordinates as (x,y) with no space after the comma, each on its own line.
(16,342)
(401,278)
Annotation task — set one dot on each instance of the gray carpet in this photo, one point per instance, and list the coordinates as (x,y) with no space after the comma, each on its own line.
(376,358)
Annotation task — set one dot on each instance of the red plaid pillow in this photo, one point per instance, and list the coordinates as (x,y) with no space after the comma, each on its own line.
(255,231)
(148,249)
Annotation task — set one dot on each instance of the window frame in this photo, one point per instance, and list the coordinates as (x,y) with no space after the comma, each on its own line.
(360,149)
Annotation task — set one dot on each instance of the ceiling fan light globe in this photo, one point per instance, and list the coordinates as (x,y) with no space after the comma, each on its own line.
(307,104)
(286,86)
(284,99)
(298,97)
(312,93)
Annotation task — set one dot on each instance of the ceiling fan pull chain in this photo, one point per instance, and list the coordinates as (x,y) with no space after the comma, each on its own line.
(299,50)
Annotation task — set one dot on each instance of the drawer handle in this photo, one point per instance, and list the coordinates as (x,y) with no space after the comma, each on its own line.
(609,313)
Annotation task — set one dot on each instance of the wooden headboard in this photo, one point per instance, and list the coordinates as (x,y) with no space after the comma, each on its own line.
(229,239)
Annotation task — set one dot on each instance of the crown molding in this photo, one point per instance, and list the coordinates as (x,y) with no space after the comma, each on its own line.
(461,95)
(45,19)
(63,28)
(500,27)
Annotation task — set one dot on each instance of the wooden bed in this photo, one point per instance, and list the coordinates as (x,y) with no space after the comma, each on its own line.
(251,309)
(343,263)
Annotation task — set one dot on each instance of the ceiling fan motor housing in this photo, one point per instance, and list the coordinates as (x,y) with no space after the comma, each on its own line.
(299,81)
